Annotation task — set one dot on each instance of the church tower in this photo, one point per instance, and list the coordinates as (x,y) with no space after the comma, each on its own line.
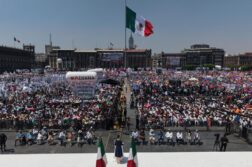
(131,42)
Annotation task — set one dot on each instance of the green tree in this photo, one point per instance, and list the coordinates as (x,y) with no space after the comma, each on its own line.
(189,67)
(210,66)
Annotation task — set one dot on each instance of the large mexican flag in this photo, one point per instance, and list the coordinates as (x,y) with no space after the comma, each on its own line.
(101,160)
(132,160)
(138,24)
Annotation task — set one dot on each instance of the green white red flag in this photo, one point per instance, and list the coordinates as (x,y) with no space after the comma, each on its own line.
(138,24)
(132,159)
(101,160)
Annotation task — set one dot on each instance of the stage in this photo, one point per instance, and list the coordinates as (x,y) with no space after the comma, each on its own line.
(192,159)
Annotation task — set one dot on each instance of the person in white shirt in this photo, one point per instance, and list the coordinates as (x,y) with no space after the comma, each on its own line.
(152,138)
(89,137)
(135,135)
(179,137)
(62,137)
(39,138)
(35,132)
(169,136)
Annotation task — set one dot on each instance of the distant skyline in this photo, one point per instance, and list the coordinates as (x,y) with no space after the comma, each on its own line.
(88,24)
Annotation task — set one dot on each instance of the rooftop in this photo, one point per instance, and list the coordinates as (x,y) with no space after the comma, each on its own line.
(85,51)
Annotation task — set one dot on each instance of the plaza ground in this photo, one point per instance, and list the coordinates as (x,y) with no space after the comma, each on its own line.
(207,137)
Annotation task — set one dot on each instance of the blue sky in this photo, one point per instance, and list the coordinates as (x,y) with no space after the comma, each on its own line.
(95,23)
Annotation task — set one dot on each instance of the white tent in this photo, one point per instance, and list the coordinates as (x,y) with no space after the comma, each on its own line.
(193,79)
(178,72)
(81,76)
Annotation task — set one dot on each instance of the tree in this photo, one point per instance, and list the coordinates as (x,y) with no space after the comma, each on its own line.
(209,66)
(189,67)
(246,68)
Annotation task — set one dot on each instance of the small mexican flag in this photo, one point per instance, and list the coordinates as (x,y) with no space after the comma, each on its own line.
(138,24)
(132,160)
(101,160)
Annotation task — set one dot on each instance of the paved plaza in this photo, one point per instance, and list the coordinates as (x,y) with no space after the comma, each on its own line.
(235,144)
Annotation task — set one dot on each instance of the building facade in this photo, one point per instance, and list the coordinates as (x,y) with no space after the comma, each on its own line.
(200,54)
(231,61)
(86,59)
(245,59)
(173,60)
(74,59)
(40,60)
(156,61)
(238,60)
(138,58)
(13,58)
(48,49)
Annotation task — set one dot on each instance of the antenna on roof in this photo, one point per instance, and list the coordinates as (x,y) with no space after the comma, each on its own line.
(50,38)
(73,46)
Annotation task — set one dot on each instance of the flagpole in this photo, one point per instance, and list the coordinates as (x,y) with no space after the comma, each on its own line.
(125,47)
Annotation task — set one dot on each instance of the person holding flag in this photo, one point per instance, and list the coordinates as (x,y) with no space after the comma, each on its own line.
(101,160)
(132,159)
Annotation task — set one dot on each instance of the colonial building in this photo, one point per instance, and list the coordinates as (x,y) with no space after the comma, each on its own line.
(238,60)
(138,58)
(74,59)
(245,59)
(86,59)
(40,60)
(173,60)
(200,54)
(156,61)
(13,58)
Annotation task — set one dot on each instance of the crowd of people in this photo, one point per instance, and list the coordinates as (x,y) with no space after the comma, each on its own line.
(30,100)
(45,106)
(192,98)
(61,137)
(166,137)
